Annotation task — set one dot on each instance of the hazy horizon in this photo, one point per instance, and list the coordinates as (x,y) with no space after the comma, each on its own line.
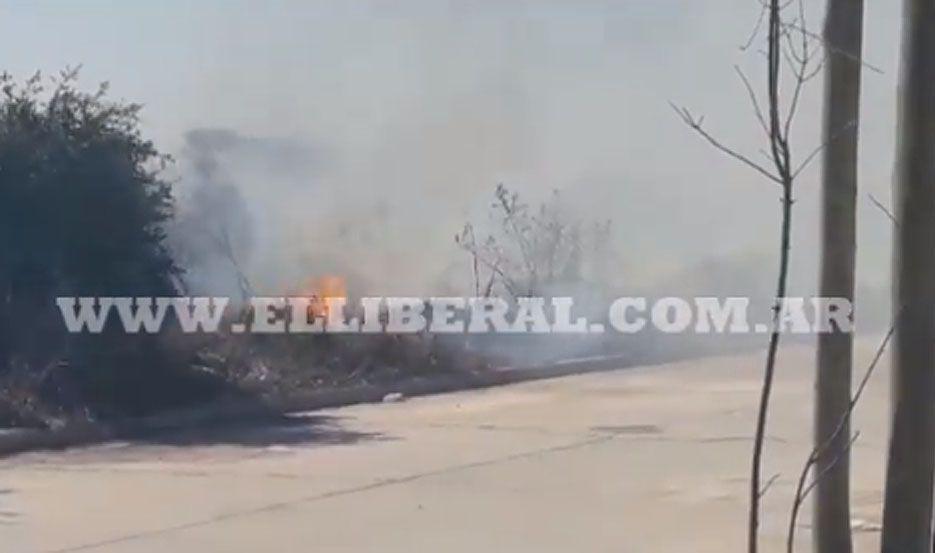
(367,134)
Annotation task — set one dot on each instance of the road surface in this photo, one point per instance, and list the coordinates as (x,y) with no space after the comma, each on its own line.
(648,460)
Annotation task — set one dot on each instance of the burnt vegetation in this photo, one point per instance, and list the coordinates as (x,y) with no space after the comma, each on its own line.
(85,209)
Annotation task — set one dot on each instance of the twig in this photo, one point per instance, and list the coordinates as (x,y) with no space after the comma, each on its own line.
(756,29)
(802,489)
(695,125)
(753,99)
(814,153)
(769,483)
(837,458)
(800,70)
(883,208)
(827,46)
(224,243)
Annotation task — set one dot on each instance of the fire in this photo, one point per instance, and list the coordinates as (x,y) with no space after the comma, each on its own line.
(319,289)
(331,286)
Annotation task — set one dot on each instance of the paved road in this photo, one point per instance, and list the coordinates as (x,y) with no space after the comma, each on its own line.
(641,460)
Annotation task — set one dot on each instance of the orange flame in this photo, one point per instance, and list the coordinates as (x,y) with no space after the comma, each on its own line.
(319,289)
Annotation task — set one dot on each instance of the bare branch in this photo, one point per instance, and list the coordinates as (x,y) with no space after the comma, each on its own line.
(223,241)
(837,458)
(802,488)
(884,209)
(814,153)
(756,29)
(801,71)
(769,483)
(753,99)
(695,125)
(821,39)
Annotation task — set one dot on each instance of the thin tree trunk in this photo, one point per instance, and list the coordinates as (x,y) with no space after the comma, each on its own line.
(843,36)
(907,511)
(779,148)
(782,173)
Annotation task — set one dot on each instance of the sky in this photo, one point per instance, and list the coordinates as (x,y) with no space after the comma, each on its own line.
(410,113)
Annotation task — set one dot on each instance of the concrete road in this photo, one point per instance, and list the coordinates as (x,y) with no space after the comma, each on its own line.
(640,460)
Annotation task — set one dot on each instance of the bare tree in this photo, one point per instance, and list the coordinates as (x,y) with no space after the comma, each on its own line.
(223,239)
(530,251)
(907,511)
(789,42)
(843,33)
